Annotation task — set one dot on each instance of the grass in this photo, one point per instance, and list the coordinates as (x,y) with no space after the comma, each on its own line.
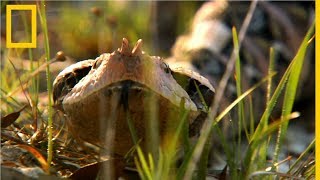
(162,162)
(255,156)
(43,20)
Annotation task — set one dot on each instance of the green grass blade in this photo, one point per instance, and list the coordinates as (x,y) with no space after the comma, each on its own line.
(183,120)
(141,172)
(251,117)
(310,174)
(302,155)
(207,127)
(43,20)
(264,146)
(201,96)
(226,147)
(253,146)
(151,162)
(202,166)
(184,165)
(291,87)
(240,98)
(143,164)
(271,103)
(159,173)
(132,129)
(260,128)
(270,71)
(241,119)
(188,157)
(206,151)
(161,169)
(152,131)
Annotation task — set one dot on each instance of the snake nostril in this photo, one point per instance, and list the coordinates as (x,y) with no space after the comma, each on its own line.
(96,64)
(166,68)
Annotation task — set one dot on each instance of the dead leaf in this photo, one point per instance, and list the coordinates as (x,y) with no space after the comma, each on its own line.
(9,164)
(11,118)
(223,174)
(37,155)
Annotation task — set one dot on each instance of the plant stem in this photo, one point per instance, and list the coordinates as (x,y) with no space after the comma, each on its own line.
(47,52)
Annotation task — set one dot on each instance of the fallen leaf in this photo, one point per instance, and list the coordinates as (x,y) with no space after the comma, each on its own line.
(223,174)
(10,118)
(37,155)
(9,164)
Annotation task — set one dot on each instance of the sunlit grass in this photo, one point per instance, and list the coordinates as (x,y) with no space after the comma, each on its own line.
(256,154)
(291,88)
(43,20)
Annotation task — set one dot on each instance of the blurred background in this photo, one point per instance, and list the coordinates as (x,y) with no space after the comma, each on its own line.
(177,32)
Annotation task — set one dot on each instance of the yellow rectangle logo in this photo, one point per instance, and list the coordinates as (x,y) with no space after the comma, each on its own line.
(33,43)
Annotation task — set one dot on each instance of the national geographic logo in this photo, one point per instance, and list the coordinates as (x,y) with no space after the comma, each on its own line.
(33,43)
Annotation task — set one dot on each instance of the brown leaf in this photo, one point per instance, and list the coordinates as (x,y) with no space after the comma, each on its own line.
(37,155)
(9,164)
(223,174)
(10,118)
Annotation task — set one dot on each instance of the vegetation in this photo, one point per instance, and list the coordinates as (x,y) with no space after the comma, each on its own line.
(31,127)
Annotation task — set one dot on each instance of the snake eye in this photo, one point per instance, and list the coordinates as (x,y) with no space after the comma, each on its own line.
(166,67)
